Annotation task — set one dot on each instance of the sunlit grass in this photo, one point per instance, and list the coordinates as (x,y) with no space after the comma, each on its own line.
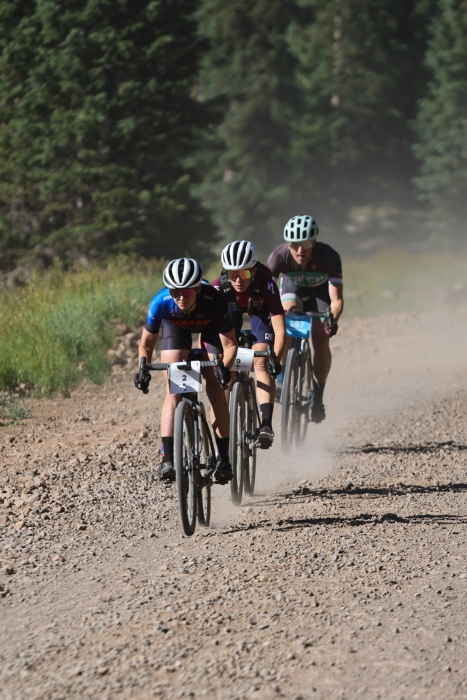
(57,330)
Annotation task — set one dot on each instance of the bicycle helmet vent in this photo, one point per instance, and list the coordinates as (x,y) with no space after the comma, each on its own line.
(300,229)
(239,255)
(182,273)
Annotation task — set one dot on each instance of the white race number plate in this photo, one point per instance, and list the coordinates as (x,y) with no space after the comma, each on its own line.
(244,360)
(183,381)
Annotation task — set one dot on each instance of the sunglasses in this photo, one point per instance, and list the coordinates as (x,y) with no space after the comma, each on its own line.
(187,293)
(303,244)
(241,274)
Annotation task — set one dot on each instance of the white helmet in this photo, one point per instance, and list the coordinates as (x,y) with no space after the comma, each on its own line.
(300,229)
(239,255)
(182,273)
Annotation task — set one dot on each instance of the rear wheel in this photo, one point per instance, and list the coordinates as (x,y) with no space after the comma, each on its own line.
(288,401)
(304,392)
(237,444)
(251,426)
(185,472)
(207,458)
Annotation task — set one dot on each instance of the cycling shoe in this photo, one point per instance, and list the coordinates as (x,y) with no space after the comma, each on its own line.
(318,414)
(265,437)
(167,471)
(223,472)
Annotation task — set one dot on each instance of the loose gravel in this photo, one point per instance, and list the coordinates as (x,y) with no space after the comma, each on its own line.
(344,577)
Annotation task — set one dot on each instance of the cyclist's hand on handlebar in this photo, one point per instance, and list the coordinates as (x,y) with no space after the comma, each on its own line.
(331,327)
(223,376)
(141,381)
(274,366)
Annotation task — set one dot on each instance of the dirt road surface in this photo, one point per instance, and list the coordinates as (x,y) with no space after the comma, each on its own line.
(345,576)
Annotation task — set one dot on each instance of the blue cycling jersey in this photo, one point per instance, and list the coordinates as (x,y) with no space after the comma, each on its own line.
(211,310)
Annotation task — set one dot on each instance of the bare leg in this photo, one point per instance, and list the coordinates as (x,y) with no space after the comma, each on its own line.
(220,417)
(265,384)
(170,400)
(321,353)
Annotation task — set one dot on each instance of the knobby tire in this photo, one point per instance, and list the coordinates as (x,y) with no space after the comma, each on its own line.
(251,425)
(303,407)
(237,442)
(288,400)
(186,475)
(204,491)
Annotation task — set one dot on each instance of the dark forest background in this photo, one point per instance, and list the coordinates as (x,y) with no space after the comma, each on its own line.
(164,127)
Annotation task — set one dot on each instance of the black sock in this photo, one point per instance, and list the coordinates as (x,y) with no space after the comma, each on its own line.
(318,389)
(223,447)
(266,414)
(167,449)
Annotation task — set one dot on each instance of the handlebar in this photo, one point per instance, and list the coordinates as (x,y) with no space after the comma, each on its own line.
(312,314)
(145,367)
(184,364)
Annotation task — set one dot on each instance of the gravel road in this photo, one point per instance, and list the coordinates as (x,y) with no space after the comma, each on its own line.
(345,576)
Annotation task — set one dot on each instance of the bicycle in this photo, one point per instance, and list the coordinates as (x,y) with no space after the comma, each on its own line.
(194,453)
(297,391)
(244,418)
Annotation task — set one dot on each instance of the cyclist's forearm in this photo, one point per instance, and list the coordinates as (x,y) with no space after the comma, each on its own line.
(147,345)
(230,354)
(337,308)
(278,326)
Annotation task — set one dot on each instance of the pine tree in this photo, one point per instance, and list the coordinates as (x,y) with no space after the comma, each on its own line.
(98,114)
(316,100)
(442,122)
(248,73)
(360,69)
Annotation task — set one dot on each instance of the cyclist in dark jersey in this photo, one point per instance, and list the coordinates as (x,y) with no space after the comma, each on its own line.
(311,281)
(183,307)
(249,288)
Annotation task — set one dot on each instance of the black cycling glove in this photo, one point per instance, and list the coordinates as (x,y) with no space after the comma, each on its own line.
(142,381)
(330,328)
(274,367)
(224,376)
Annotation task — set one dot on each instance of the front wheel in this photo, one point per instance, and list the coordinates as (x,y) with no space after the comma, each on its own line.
(207,458)
(251,426)
(237,443)
(288,401)
(302,407)
(185,471)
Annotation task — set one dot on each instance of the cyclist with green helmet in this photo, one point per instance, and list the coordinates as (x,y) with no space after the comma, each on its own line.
(311,281)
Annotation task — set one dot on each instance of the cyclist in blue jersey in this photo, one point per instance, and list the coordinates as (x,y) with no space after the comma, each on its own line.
(249,288)
(185,306)
(311,281)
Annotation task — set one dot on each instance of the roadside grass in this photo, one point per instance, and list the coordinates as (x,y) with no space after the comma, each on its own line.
(56,331)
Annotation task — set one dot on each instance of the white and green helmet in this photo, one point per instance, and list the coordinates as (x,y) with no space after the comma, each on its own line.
(300,229)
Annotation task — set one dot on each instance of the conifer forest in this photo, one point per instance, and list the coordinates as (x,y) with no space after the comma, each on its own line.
(154,128)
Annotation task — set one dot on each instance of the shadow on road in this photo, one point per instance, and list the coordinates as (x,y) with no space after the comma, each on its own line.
(405,449)
(354,520)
